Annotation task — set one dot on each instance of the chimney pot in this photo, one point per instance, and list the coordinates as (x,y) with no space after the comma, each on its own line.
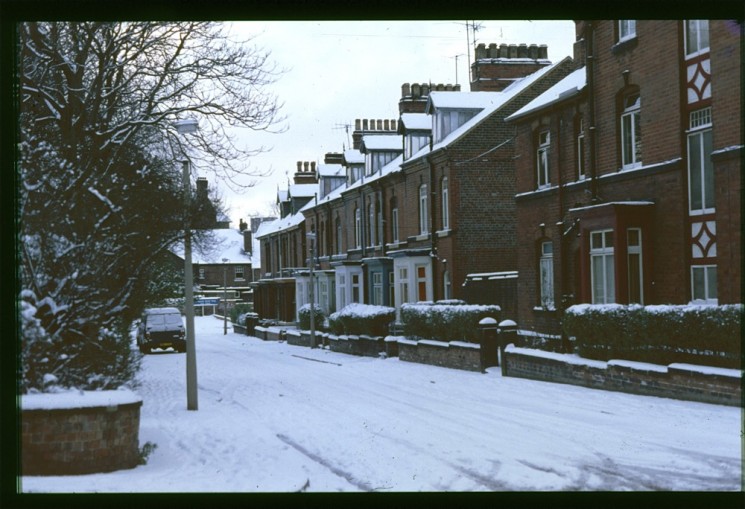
(380,124)
(416,90)
(425,89)
(522,51)
(504,51)
(480,51)
(543,51)
(357,124)
(305,165)
(493,52)
(299,166)
(364,124)
(405,90)
(533,51)
(513,50)
(313,166)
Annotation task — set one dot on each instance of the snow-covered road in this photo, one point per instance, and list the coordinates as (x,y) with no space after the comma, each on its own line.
(272,418)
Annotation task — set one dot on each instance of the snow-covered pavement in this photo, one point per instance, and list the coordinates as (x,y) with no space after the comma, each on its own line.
(279,418)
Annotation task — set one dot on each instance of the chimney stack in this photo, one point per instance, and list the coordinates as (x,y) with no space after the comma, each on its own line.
(247,244)
(492,69)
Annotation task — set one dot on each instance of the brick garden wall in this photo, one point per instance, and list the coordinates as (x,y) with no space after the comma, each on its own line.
(455,354)
(80,440)
(678,381)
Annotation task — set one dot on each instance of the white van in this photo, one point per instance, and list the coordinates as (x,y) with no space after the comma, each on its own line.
(161,328)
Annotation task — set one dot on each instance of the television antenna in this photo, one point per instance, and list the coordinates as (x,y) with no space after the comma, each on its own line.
(346,128)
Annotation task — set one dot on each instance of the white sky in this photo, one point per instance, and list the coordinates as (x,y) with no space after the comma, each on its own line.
(338,71)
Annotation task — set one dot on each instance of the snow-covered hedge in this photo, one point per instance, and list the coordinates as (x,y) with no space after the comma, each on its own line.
(446,320)
(694,334)
(91,359)
(303,315)
(358,319)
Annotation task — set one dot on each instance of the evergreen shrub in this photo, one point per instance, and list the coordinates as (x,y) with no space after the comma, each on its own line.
(446,320)
(359,319)
(304,317)
(239,310)
(695,334)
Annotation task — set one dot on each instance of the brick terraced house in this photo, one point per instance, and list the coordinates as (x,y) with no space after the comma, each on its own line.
(428,199)
(629,171)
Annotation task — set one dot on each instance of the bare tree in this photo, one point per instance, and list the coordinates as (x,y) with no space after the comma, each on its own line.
(100,192)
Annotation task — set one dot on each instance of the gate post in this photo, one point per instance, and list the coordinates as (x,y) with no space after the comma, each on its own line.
(507,335)
(489,343)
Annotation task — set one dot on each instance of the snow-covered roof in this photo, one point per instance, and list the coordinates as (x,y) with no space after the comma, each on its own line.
(225,243)
(381,142)
(393,166)
(331,170)
(279,225)
(497,100)
(303,190)
(281,195)
(415,121)
(459,100)
(354,156)
(564,89)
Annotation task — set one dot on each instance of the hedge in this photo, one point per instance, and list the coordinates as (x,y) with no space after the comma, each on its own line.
(359,319)
(450,321)
(240,308)
(696,334)
(303,315)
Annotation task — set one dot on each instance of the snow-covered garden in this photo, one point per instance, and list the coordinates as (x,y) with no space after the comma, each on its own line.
(280,418)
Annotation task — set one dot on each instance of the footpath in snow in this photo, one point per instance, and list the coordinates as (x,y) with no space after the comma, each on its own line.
(272,418)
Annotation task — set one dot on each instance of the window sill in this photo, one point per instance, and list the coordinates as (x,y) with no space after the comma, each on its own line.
(423,236)
(625,45)
(544,309)
(396,245)
(444,233)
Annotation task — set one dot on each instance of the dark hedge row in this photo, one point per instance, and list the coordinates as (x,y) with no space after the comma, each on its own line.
(304,317)
(452,321)
(708,335)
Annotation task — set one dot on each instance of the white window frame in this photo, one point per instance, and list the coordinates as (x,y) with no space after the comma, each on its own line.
(423,216)
(341,289)
(357,228)
(634,250)
(239,273)
(709,290)
(402,275)
(546,275)
(201,273)
(605,254)
(543,177)
(626,29)
(581,174)
(356,287)
(394,225)
(700,167)
(377,288)
(371,224)
(696,37)
(420,273)
(631,133)
(445,204)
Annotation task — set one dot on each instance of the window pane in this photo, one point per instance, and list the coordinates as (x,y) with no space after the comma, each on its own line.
(692,36)
(694,171)
(708,171)
(598,285)
(610,281)
(608,238)
(626,141)
(711,282)
(698,292)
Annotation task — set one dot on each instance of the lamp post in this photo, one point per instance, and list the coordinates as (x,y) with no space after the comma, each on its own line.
(187,126)
(225,297)
(312,238)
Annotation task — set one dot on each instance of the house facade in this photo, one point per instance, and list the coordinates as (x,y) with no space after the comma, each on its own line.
(428,198)
(629,172)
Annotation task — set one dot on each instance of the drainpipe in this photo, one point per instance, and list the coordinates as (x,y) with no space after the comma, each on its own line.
(433,235)
(590,70)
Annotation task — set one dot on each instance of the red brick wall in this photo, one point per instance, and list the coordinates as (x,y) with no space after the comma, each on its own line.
(80,441)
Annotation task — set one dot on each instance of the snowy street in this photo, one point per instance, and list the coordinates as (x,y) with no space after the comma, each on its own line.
(279,418)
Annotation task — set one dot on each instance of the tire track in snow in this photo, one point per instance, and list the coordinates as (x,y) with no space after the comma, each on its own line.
(344,475)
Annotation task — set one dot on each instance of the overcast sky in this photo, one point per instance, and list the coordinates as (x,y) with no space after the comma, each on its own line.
(338,71)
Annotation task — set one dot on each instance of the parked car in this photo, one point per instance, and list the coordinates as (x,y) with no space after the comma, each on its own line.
(161,328)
